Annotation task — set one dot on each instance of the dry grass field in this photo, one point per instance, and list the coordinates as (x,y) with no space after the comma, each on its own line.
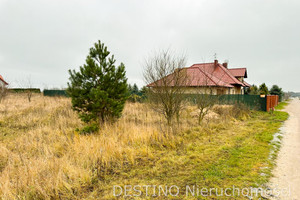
(42,156)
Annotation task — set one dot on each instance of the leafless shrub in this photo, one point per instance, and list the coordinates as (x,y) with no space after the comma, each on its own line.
(26,85)
(29,89)
(237,111)
(204,97)
(204,103)
(241,111)
(165,76)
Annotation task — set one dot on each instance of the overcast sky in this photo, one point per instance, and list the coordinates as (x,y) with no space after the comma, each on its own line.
(42,39)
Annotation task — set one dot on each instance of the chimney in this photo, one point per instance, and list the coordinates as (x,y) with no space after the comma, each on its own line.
(216,62)
(225,64)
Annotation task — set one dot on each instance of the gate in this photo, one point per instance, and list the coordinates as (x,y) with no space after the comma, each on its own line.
(272,102)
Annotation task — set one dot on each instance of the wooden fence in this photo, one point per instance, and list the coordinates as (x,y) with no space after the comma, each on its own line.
(272,102)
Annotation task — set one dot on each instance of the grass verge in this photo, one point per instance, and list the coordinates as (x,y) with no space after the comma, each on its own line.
(281,105)
(224,155)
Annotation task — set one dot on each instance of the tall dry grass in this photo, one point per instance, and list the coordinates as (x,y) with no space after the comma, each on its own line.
(43,157)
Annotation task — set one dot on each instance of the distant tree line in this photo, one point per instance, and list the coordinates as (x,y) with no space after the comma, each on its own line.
(263,90)
(24,90)
(294,94)
(135,94)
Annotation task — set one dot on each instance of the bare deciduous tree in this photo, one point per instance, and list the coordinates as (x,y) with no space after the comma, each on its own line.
(26,84)
(166,78)
(204,102)
(29,89)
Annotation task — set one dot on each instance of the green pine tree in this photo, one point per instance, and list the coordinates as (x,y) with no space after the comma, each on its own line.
(275,90)
(254,90)
(135,89)
(99,89)
(263,89)
(130,89)
(144,91)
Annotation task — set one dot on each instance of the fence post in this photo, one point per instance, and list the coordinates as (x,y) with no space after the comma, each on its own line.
(272,102)
(268,103)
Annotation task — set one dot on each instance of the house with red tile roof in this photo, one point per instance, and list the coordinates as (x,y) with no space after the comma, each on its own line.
(214,78)
(2,82)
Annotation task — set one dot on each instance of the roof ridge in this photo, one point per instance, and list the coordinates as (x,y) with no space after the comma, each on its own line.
(230,75)
(201,64)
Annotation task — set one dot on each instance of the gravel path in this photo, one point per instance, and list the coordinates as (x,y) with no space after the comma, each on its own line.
(287,172)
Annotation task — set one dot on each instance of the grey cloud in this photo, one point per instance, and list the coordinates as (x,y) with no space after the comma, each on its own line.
(44,39)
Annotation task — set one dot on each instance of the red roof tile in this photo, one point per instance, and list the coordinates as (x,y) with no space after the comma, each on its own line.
(238,72)
(207,74)
(198,77)
(220,72)
(247,84)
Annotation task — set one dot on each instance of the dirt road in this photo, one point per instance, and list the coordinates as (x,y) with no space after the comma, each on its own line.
(287,172)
